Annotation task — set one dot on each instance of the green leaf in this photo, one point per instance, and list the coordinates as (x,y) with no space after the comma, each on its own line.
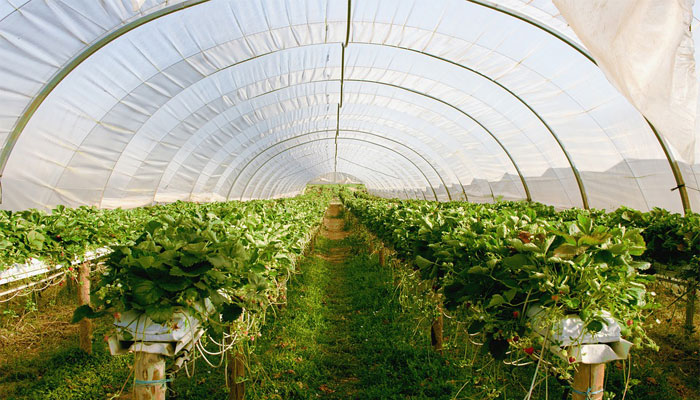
(151,226)
(496,300)
(423,263)
(478,270)
(173,284)
(516,261)
(585,223)
(230,312)
(160,313)
(146,262)
(595,326)
(35,240)
(219,261)
(146,292)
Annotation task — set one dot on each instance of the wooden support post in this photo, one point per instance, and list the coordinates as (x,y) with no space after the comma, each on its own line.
(84,326)
(382,256)
(588,382)
(436,333)
(690,310)
(149,376)
(236,363)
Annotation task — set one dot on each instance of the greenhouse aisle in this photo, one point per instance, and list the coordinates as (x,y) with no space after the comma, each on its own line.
(343,335)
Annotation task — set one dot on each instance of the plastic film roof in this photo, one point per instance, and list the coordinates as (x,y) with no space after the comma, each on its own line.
(116,103)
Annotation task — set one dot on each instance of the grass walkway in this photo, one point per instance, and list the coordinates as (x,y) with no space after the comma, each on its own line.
(344,336)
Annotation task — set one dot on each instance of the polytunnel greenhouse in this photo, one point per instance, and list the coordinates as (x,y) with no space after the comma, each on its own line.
(349,199)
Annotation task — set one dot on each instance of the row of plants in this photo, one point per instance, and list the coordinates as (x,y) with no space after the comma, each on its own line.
(211,260)
(222,263)
(673,240)
(494,264)
(66,234)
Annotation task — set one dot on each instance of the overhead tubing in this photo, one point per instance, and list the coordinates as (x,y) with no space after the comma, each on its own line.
(373,178)
(584,197)
(284,184)
(526,188)
(245,188)
(228,195)
(266,185)
(12,139)
(267,191)
(376,178)
(92,51)
(240,172)
(521,176)
(301,182)
(399,178)
(342,83)
(511,159)
(109,37)
(574,169)
(72,64)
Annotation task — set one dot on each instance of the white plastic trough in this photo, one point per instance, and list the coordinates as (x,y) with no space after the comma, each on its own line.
(570,341)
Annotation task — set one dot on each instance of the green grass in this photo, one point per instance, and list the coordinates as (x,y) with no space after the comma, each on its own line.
(344,335)
(65,373)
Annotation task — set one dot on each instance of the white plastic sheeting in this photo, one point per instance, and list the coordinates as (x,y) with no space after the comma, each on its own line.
(239,99)
(645,47)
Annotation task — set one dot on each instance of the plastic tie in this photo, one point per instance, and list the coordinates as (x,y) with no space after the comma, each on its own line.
(588,393)
(157,382)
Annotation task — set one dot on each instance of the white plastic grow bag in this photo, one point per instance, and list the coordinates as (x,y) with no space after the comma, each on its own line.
(137,332)
(569,340)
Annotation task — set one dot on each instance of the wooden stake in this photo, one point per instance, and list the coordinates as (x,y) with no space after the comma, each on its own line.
(149,376)
(84,326)
(236,363)
(436,333)
(382,256)
(589,379)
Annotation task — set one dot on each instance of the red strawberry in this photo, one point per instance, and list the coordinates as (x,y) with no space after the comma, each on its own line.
(515,339)
(529,350)
(629,322)
(516,314)
(572,360)
(555,297)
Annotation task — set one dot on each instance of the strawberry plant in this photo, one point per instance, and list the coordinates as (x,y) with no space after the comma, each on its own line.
(493,262)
